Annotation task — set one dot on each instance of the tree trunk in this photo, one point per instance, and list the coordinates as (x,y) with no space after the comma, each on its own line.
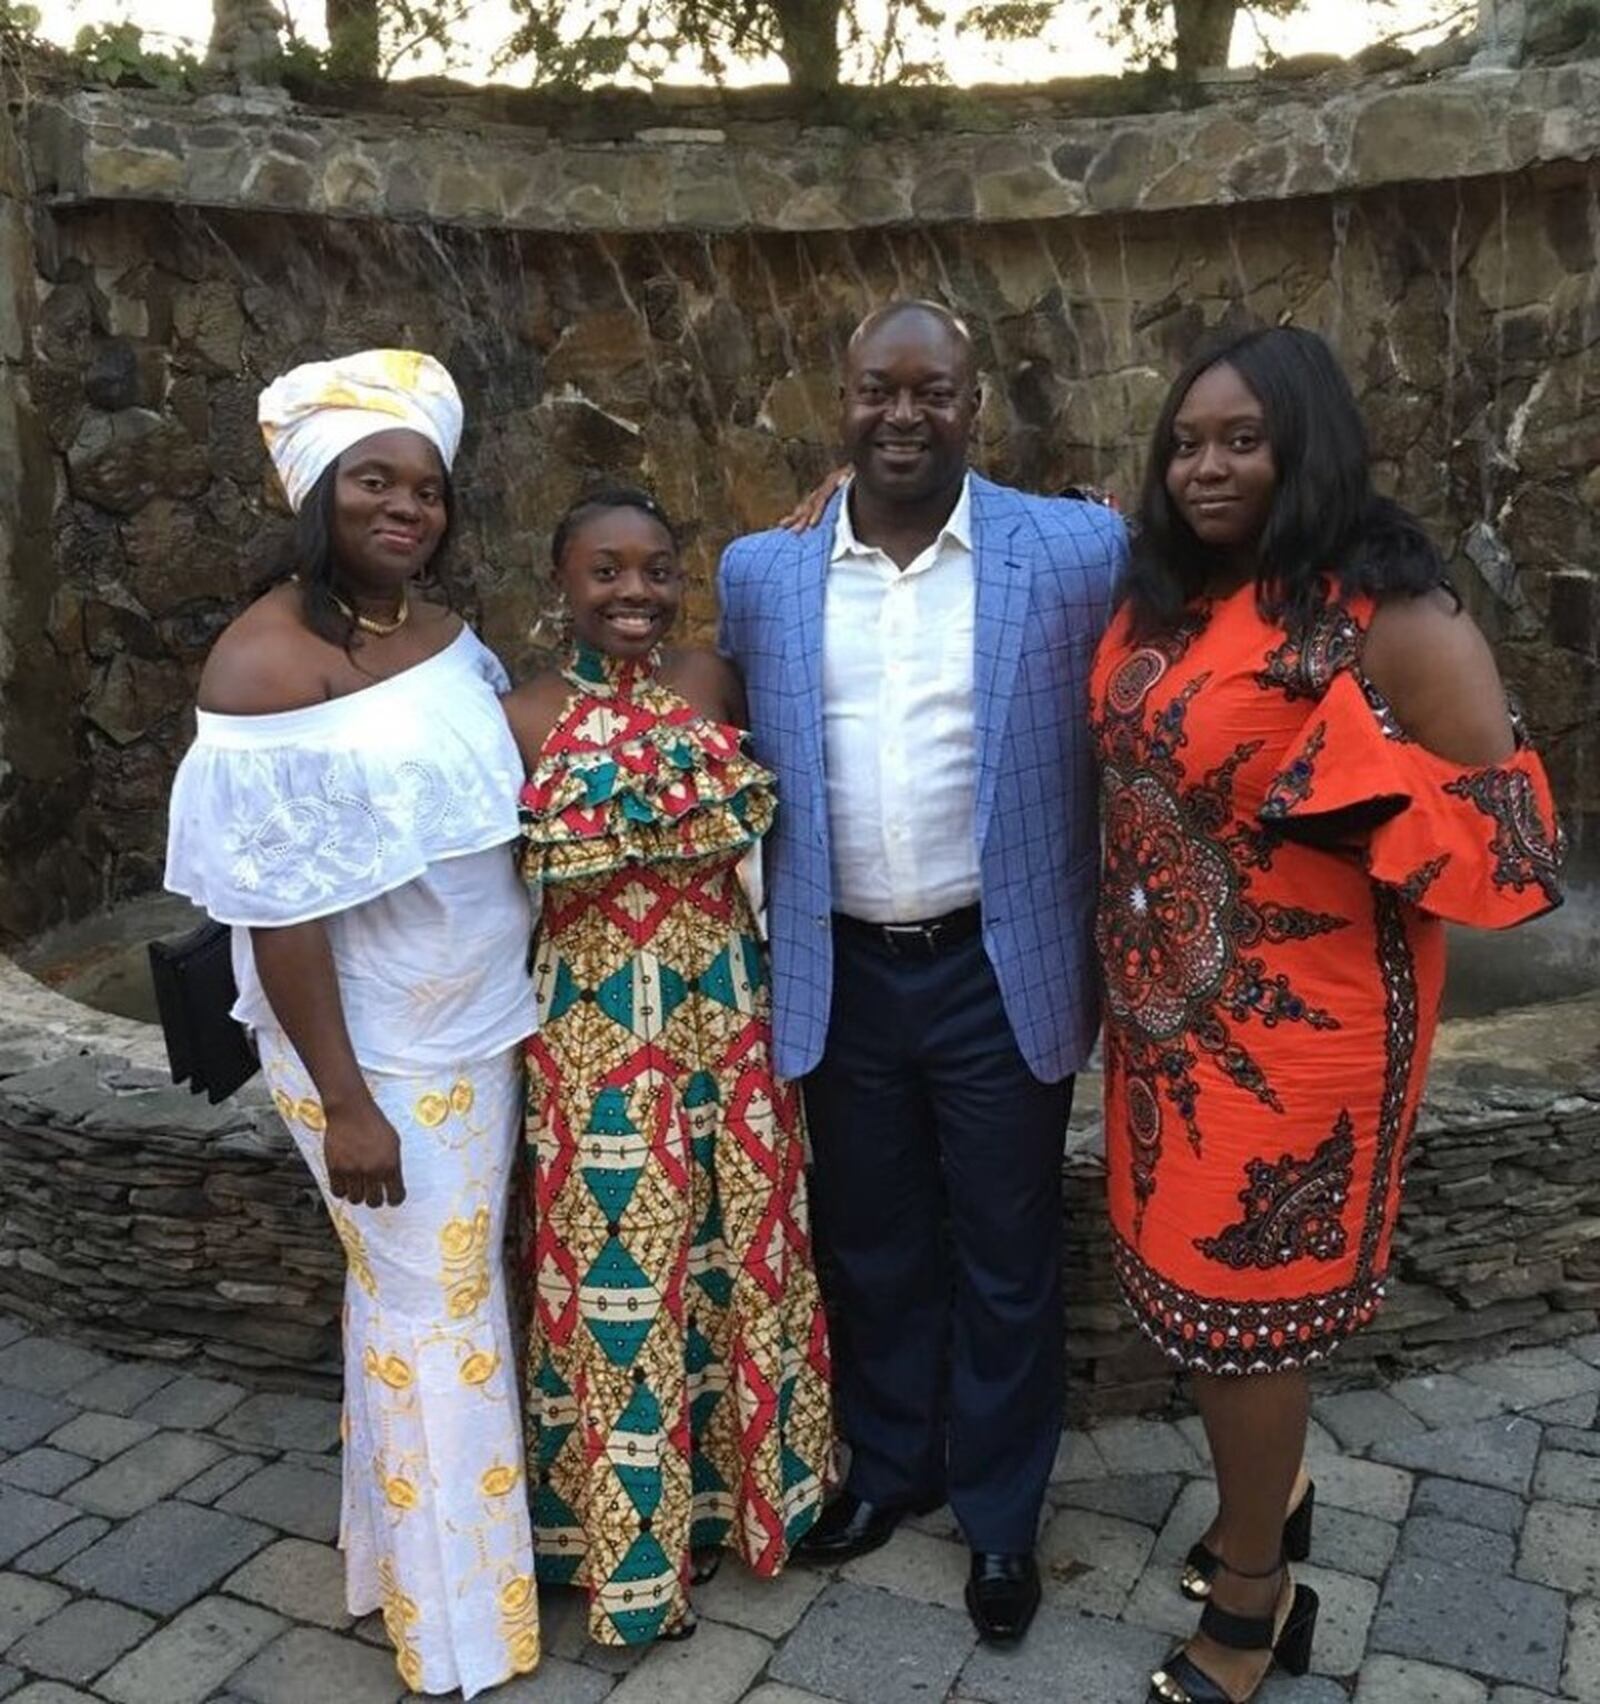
(810,32)
(1204,32)
(352,37)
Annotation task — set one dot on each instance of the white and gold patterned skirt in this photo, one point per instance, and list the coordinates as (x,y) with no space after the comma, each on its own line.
(434,1524)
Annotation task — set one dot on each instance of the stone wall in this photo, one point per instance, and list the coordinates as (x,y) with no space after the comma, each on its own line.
(139,1218)
(662,291)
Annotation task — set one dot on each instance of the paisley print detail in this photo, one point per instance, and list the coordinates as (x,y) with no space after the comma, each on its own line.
(1304,666)
(1291,786)
(1524,854)
(1415,887)
(1135,678)
(1292,1208)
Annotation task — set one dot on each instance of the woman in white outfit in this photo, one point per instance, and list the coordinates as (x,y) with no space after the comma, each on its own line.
(347,807)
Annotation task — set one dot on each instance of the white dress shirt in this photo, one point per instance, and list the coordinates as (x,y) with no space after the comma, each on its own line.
(898,724)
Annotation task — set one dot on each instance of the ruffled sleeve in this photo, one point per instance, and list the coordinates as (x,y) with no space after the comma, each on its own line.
(280,819)
(1475,845)
(683,788)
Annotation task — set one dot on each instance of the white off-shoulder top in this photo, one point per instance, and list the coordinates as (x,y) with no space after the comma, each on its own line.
(389,813)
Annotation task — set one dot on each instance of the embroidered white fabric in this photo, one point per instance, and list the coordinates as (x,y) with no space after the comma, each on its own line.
(389,813)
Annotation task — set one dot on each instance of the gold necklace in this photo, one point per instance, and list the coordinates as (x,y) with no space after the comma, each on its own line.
(379,629)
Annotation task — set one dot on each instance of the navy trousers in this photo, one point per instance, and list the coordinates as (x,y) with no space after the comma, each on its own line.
(937,1193)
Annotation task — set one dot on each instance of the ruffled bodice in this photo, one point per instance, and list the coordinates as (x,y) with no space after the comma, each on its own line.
(388,814)
(631,774)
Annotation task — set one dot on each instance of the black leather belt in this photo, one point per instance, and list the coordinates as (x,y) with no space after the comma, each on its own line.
(925,940)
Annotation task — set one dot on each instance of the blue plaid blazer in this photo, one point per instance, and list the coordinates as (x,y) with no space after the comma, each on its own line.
(1044,569)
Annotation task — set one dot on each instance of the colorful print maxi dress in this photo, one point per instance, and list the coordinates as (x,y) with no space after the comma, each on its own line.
(1271,1006)
(677,1394)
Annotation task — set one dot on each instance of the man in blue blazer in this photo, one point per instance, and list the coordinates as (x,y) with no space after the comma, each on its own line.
(917,668)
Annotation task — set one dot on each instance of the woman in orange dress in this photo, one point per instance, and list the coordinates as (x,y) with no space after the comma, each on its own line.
(1308,767)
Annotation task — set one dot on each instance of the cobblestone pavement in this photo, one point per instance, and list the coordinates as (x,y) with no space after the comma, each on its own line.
(166,1539)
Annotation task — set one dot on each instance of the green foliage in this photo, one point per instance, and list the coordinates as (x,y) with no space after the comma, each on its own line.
(116,53)
(19,24)
(1010,20)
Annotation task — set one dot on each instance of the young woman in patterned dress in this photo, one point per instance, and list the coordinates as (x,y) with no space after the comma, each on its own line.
(677,1396)
(1308,766)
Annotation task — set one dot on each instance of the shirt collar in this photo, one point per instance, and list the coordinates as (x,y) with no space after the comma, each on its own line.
(958,528)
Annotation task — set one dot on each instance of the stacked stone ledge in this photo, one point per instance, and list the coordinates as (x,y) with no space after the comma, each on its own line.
(140,1219)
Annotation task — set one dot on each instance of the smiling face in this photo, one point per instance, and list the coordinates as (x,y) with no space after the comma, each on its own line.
(623,581)
(1222,474)
(389,510)
(908,404)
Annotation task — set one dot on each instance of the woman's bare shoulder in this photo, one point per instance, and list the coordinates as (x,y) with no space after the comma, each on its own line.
(265,660)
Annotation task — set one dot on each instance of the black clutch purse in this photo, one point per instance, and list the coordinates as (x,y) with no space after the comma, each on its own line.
(206,1047)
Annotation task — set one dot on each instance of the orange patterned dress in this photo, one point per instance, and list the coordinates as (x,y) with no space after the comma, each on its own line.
(1270,1005)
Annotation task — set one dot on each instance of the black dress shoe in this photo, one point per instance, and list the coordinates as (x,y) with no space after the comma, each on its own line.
(849,1526)
(1002,1595)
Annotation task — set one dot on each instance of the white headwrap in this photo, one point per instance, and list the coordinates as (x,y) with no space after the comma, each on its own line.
(312,414)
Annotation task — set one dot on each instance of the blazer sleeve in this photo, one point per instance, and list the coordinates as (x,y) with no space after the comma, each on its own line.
(728,602)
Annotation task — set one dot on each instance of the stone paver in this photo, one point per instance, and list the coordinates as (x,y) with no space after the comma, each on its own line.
(1104,1659)
(1091,1562)
(25,1518)
(1498,1452)
(1360,1418)
(1561,1548)
(43,1469)
(80,1641)
(62,1545)
(121,1387)
(294,1499)
(144,1475)
(26,1417)
(865,1647)
(1444,1399)
(1580,1672)
(165,1556)
(1145,1497)
(192,1655)
(1456,1552)
(1454,1541)
(1476,1505)
(309,1666)
(1464,1618)
(190,1404)
(100,1436)
(1562,1476)
(917,1566)
(24,1603)
(1528,1377)
(302,1581)
(1398,1680)
(283,1423)
(716,1666)
(47,1366)
(769,1607)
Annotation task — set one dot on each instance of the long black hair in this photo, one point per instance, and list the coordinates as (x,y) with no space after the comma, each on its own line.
(1327,523)
(306,554)
(598,502)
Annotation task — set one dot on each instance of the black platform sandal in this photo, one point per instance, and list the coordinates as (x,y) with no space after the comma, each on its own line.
(1202,1562)
(703,1566)
(1183,1681)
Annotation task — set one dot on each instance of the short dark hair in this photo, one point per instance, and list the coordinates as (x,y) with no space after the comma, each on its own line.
(306,554)
(1327,522)
(597,503)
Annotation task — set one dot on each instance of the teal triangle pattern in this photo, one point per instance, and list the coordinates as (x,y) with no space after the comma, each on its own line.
(674,991)
(753,969)
(716,981)
(645,1560)
(618,1329)
(614,996)
(609,1115)
(640,1419)
(565,994)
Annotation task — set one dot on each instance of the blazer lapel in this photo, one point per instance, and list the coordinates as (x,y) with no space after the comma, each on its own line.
(1002,585)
